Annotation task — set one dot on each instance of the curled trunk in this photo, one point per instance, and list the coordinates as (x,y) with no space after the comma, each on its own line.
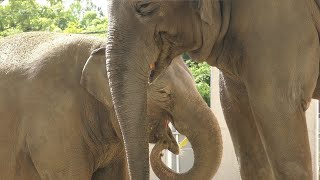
(206,141)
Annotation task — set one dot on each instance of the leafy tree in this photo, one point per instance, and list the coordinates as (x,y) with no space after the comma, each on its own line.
(88,17)
(201,74)
(27,15)
(20,13)
(54,2)
(73,27)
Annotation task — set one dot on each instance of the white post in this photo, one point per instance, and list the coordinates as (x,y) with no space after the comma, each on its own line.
(169,154)
(316,143)
(177,156)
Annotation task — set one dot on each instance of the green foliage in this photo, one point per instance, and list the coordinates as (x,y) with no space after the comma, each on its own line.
(82,16)
(201,74)
(73,27)
(53,2)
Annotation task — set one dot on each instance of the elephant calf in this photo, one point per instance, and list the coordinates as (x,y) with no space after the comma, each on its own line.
(57,119)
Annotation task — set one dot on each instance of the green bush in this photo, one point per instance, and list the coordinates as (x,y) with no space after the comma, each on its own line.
(27,15)
(201,74)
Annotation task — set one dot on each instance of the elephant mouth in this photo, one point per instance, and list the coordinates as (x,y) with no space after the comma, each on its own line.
(164,59)
(170,145)
(158,67)
(162,136)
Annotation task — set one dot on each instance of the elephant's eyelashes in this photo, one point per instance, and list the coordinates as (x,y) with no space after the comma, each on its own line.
(146,8)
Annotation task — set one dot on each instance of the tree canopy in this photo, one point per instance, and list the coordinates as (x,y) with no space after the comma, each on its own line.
(28,15)
(201,73)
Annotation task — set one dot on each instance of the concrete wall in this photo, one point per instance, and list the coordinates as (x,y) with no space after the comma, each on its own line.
(313,130)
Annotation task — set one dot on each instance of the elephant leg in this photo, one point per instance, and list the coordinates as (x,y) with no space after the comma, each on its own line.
(116,170)
(279,94)
(246,140)
(280,72)
(58,157)
(69,166)
(282,126)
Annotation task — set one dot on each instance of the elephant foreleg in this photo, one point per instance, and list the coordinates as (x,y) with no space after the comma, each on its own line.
(280,74)
(282,126)
(246,140)
(278,101)
(116,170)
(58,158)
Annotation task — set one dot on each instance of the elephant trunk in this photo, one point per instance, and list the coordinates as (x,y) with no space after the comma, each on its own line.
(128,82)
(205,137)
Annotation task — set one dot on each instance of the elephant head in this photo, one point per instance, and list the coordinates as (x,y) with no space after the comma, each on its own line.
(150,33)
(172,97)
(175,94)
(94,80)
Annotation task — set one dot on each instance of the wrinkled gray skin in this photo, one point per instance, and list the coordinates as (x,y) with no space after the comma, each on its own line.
(57,119)
(268,53)
(178,98)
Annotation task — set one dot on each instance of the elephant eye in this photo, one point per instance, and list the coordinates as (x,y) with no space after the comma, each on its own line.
(144,8)
(165,94)
(163,91)
(151,77)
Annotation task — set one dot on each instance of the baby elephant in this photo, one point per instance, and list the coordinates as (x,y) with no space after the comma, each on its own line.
(57,119)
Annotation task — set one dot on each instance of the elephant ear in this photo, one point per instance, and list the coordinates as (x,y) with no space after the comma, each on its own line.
(209,11)
(94,77)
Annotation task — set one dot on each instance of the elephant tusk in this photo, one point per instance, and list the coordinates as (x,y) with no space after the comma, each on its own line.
(152,66)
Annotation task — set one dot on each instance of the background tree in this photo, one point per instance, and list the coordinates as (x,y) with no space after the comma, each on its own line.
(81,16)
(53,2)
(201,74)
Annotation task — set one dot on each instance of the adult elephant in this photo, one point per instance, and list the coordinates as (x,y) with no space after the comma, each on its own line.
(57,119)
(268,52)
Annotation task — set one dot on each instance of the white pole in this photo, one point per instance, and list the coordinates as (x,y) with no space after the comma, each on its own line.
(177,156)
(316,143)
(169,154)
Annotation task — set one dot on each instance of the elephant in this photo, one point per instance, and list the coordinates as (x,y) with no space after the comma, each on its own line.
(58,120)
(268,55)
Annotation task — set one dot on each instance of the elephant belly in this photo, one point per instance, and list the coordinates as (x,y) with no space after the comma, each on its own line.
(24,168)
